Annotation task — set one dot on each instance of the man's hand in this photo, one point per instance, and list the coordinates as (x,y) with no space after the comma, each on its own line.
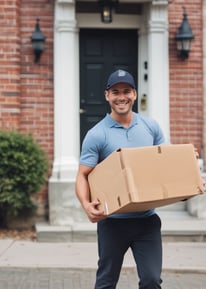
(200,191)
(196,153)
(94,211)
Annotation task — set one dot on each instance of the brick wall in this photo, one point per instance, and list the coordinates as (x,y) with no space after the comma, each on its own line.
(36,103)
(9,64)
(186,77)
(26,88)
(204,80)
(37,79)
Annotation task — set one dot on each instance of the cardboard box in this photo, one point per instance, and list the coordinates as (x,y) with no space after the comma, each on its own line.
(139,179)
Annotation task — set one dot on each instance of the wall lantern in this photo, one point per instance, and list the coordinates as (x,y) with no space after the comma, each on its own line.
(37,40)
(106,9)
(184,37)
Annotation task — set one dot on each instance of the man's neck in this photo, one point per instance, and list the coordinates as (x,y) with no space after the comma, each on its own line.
(124,120)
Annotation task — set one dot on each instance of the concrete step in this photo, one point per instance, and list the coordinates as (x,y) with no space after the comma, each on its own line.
(181,227)
(177,226)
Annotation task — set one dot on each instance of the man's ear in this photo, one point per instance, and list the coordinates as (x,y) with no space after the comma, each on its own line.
(106,95)
(135,94)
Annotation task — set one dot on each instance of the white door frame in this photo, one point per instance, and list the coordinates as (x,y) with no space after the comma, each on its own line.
(153,49)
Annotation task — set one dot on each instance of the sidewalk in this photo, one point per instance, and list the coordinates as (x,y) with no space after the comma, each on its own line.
(35,265)
(62,261)
(177,256)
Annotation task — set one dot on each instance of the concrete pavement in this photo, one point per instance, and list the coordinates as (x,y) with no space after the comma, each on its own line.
(177,256)
(35,265)
(72,265)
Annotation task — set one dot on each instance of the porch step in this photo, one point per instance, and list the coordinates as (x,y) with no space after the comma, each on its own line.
(177,226)
(182,227)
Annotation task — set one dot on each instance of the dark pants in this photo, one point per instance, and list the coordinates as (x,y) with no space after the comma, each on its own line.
(143,236)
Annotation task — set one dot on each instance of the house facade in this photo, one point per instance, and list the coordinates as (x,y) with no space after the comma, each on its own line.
(60,97)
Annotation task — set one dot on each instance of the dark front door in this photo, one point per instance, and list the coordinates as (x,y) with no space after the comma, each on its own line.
(102,52)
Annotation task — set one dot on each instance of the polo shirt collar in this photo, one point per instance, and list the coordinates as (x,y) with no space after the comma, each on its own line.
(112,123)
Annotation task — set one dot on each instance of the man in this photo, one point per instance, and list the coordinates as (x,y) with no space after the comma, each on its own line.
(140,231)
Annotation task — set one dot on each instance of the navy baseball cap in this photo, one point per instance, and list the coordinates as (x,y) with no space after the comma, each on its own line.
(120,76)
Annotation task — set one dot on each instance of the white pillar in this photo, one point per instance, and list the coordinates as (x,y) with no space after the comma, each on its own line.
(158,64)
(66,114)
(66,92)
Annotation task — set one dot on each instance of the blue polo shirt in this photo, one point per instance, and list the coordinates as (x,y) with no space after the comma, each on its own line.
(108,135)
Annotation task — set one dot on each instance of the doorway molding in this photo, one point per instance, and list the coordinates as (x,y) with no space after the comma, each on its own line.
(64,208)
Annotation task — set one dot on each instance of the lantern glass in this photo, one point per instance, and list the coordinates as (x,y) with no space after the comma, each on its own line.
(106,14)
(183,45)
(186,44)
(38,45)
(179,45)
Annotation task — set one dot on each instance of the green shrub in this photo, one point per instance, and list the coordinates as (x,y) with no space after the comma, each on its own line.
(23,171)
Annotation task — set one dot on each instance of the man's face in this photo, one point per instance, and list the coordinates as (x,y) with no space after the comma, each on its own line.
(121,98)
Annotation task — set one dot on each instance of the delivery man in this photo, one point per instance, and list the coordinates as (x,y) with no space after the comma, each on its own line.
(140,231)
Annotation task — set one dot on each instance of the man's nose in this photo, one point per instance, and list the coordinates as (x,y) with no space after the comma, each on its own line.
(122,95)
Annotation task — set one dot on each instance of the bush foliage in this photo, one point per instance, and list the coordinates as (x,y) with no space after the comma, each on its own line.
(23,171)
